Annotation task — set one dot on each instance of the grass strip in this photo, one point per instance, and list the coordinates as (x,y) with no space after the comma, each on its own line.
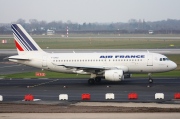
(175,73)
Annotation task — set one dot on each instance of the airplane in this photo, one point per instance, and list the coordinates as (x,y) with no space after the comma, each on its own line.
(109,66)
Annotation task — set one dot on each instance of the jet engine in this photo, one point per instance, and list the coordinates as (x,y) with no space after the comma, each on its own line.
(114,75)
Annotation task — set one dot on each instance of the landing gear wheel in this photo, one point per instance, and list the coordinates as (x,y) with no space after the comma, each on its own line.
(150,80)
(91,81)
(97,79)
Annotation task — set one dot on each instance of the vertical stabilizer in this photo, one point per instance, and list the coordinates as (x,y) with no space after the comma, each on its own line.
(23,41)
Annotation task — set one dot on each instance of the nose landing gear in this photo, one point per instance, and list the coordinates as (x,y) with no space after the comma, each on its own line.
(150,78)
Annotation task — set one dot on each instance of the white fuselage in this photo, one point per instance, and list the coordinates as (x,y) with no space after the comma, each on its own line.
(127,61)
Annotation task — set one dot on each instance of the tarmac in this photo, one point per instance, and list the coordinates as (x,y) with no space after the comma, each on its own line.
(50,89)
(89,115)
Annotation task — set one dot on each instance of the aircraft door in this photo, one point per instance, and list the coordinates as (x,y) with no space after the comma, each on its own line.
(150,60)
(44,61)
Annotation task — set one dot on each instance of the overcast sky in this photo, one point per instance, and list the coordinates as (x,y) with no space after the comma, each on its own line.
(80,11)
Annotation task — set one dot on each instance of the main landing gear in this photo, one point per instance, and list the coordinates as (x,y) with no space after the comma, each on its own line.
(94,80)
(150,78)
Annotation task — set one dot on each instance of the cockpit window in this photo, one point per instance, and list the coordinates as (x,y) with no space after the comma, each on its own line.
(164,59)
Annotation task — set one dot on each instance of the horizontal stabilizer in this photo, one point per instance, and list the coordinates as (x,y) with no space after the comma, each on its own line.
(17,57)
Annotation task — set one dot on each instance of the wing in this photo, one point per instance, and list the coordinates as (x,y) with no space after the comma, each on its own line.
(91,69)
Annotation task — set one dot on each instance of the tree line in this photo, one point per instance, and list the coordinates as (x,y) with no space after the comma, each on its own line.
(133,26)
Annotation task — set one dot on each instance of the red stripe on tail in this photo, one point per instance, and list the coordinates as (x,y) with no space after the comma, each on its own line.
(18,46)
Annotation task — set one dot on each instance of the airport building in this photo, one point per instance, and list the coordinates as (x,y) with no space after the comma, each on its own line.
(50,32)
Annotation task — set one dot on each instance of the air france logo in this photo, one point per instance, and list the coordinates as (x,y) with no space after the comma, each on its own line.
(122,56)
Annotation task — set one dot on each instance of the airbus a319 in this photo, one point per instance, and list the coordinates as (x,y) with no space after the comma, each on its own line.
(108,66)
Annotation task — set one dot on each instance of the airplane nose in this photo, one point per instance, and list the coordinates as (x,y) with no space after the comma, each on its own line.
(174,65)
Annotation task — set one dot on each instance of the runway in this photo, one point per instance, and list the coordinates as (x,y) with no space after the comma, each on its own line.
(49,89)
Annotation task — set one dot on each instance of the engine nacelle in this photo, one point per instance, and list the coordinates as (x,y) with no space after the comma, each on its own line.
(114,75)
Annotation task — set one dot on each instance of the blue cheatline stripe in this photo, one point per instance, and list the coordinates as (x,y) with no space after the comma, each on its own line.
(21,39)
(24,37)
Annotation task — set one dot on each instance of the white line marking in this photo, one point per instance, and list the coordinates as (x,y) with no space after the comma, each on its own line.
(10,66)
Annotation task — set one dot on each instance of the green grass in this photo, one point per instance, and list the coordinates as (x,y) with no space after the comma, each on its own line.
(98,43)
(48,75)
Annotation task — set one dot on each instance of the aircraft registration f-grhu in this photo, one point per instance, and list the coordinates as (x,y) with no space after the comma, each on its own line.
(110,66)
